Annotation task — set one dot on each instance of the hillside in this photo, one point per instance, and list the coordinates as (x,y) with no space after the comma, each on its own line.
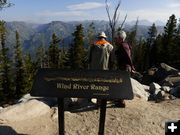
(33,35)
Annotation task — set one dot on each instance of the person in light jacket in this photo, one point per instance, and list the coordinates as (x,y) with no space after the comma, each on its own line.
(100,55)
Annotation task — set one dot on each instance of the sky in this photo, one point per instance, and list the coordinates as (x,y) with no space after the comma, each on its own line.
(44,11)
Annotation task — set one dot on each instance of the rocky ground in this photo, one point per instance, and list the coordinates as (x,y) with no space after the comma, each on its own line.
(157,99)
(138,118)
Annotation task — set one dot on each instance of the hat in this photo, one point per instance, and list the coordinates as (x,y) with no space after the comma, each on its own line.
(101,35)
(122,34)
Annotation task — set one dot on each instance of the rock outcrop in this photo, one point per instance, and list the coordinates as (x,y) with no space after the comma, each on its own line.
(22,111)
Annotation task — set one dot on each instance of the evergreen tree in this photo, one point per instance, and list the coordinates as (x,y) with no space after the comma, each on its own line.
(156,51)
(91,34)
(19,68)
(4,63)
(41,56)
(54,52)
(152,33)
(131,39)
(78,61)
(30,71)
(62,60)
(169,45)
(177,40)
(139,55)
(69,57)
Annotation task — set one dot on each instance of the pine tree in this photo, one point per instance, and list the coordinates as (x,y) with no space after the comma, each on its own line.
(19,68)
(78,61)
(41,57)
(62,60)
(139,55)
(131,39)
(4,63)
(169,45)
(156,51)
(91,34)
(30,71)
(54,52)
(177,40)
(69,57)
(152,33)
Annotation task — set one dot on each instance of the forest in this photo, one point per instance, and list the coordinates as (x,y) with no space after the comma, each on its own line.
(17,71)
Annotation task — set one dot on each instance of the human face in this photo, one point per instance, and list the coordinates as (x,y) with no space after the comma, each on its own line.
(118,39)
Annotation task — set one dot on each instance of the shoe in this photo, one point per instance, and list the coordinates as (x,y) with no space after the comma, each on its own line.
(120,103)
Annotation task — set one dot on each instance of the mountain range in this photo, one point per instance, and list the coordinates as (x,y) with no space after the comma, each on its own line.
(34,35)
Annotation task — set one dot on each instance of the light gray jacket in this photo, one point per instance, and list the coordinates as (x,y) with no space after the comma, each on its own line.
(100,55)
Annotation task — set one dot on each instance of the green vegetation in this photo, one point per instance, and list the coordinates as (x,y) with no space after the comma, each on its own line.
(18,69)
(159,48)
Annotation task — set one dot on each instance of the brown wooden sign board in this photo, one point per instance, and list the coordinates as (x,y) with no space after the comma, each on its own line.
(82,84)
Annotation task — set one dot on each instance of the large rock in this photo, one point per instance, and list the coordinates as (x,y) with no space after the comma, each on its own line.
(173,80)
(47,100)
(139,89)
(26,110)
(154,88)
(176,92)
(166,88)
(169,69)
(163,71)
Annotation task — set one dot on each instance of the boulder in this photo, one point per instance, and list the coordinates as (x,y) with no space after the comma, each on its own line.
(22,111)
(166,88)
(137,76)
(47,100)
(25,98)
(173,80)
(147,79)
(139,89)
(159,96)
(154,88)
(176,91)
(170,70)
(162,95)
(163,71)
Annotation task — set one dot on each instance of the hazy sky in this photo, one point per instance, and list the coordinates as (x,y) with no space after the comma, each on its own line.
(43,11)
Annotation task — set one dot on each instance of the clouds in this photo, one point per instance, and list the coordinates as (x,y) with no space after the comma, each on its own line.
(152,15)
(64,13)
(73,10)
(93,10)
(174,5)
(85,6)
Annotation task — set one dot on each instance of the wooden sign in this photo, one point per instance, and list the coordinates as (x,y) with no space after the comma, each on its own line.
(82,84)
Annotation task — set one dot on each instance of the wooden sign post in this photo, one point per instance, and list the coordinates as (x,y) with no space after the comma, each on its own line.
(105,85)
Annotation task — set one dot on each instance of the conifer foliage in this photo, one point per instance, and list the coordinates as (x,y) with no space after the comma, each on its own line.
(54,52)
(19,67)
(30,71)
(147,52)
(41,57)
(76,53)
(5,81)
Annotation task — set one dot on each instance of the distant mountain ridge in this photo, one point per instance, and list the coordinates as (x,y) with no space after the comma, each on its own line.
(34,35)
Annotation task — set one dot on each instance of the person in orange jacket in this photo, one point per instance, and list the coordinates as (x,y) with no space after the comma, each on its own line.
(99,54)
